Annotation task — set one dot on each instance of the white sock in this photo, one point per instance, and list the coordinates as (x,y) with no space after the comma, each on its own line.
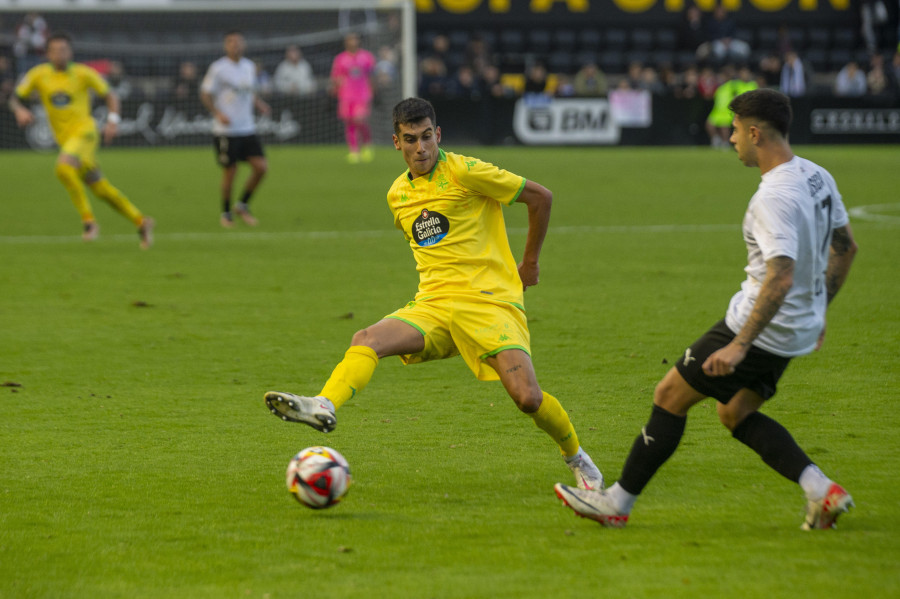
(814,483)
(622,499)
(577,455)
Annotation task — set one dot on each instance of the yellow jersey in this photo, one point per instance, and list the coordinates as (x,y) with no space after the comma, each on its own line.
(453,220)
(65,95)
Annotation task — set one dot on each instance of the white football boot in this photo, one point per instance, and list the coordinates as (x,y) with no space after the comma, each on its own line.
(595,505)
(824,513)
(317,412)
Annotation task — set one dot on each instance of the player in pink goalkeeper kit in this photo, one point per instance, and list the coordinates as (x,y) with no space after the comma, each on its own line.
(351,74)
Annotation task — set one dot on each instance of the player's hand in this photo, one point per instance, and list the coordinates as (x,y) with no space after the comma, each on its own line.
(263,108)
(24,117)
(109,132)
(222,118)
(529,273)
(723,361)
(821,338)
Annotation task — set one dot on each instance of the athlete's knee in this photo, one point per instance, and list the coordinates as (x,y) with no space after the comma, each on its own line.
(664,395)
(363,337)
(527,398)
(731,414)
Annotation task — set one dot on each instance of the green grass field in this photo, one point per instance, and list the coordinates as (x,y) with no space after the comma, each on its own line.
(138,458)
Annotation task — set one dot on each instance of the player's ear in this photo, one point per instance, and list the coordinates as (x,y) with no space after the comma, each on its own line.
(396,141)
(437,134)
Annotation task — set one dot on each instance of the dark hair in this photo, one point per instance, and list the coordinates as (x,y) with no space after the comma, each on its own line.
(767,105)
(233,32)
(413,110)
(59,36)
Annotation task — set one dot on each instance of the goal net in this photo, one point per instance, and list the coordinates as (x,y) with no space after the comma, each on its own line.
(154,53)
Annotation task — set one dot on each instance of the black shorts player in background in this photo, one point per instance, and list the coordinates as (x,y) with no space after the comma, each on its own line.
(800,248)
(228,92)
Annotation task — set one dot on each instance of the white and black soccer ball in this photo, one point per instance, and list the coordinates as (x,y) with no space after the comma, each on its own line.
(318,477)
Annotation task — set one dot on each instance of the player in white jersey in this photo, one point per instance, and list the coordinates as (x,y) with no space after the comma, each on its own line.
(800,248)
(228,92)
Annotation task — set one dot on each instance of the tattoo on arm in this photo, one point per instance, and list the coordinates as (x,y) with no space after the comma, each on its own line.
(841,241)
(843,250)
(779,278)
(514,368)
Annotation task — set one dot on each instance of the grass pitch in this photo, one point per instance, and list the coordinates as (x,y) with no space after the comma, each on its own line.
(138,458)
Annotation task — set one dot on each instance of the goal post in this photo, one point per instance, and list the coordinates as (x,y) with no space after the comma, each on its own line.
(155,52)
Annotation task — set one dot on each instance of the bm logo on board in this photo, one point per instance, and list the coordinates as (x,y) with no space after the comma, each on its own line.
(566,121)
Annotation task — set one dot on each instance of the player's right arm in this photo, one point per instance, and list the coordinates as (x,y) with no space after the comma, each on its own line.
(207,88)
(774,289)
(24,116)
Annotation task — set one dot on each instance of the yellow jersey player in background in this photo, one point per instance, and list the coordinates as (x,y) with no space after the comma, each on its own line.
(470,297)
(65,89)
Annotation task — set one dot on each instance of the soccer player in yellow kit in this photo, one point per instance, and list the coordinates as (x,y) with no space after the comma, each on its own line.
(470,297)
(65,89)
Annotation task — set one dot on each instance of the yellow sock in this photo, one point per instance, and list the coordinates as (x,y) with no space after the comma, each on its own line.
(71,180)
(104,190)
(351,375)
(553,420)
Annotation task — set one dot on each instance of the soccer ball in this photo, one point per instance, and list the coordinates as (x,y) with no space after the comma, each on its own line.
(318,477)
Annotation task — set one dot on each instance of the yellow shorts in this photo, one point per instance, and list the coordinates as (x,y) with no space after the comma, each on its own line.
(472,328)
(81,142)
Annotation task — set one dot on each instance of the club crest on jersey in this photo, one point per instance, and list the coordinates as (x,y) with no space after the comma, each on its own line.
(430,227)
(60,99)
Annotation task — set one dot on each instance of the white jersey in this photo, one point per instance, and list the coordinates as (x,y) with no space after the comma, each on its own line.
(233,88)
(792,214)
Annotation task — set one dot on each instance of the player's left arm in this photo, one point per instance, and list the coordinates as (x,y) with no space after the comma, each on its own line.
(113,118)
(538,199)
(840,258)
(261,105)
(775,287)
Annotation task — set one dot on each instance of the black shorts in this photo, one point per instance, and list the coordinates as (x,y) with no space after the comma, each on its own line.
(230,150)
(759,371)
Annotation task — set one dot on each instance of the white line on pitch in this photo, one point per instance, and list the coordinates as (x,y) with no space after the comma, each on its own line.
(303,235)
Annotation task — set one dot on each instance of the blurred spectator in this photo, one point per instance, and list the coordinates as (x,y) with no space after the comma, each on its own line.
(536,79)
(723,45)
(877,79)
(718,123)
(432,78)
(493,86)
(187,84)
(893,73)
(440,49)
(850,81)
(118,82)
(464,85)
(669,80)
(30,42)
(686,85)
(707,82)
(478,54)
(565,86)
(650,82)
(7,78)
(634,74)
(294,75)
(770,70)
(692,34)
(386,67)
(793,76)
(590,81)
(264,84)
